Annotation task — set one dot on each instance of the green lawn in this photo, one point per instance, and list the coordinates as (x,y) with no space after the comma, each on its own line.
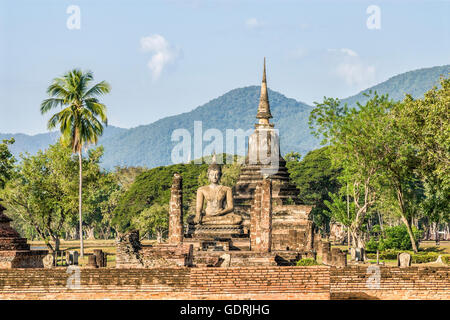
(108,246)
(424,246)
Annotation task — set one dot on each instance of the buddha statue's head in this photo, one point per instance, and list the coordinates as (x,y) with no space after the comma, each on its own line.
(214,173)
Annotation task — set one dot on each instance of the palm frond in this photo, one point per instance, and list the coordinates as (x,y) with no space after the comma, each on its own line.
(50,103)
(98,89)
(98,109)
(58,89)
(54,120)
(81,121)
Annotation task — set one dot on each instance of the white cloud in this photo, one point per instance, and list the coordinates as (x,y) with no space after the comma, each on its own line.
(352,69)
(345,51)
(356,73)
(162,53)
(349,52)
(253,23)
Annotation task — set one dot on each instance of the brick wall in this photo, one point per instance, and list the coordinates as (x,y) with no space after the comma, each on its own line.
(166,255)
(363,282)
(316,282)
(291,228)
(260,283)
(167,283)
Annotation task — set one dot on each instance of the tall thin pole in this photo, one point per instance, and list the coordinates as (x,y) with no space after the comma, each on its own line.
(348,216)
(80,186)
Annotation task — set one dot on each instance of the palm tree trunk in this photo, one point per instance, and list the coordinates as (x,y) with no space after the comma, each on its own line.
(80,202)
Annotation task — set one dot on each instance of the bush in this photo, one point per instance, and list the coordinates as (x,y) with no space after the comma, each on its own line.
(372,245)
(394,238)
(385,255)
(446,259)
(424,257)
(421,257)
(306,262)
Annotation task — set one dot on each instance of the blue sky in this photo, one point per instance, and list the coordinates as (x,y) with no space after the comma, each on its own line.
(167,57)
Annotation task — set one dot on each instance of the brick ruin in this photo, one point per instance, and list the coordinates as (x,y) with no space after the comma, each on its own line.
(275,230)
(15,251)
(265,283)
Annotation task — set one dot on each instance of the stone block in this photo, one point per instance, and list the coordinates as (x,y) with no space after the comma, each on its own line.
(404,260)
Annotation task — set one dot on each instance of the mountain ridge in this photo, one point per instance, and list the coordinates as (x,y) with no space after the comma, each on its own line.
(150,145)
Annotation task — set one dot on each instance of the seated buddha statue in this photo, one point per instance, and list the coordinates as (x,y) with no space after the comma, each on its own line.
(219,201)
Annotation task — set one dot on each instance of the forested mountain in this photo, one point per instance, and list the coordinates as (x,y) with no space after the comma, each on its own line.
(415,82)
(150,145)
(33,143)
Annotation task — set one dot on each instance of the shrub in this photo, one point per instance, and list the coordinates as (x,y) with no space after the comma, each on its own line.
(446,259)
(372,245)
(394,238)
(307,262)
(385,255)
(424,257)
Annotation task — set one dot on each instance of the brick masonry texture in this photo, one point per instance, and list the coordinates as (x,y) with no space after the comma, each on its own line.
(413,283)
(315,282)
(176,211)
(261,218)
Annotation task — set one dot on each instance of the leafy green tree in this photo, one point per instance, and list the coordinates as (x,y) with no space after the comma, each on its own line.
(353,137)
(292,157)
(81,119)
(127,175)
(44,193)
(100,186)
(424,124)
(341,211)
(153,220)
(396,160)
(396,237)
(153,187)
(43,196)
(436,204)
(315,177)
(6,162)
(385,148)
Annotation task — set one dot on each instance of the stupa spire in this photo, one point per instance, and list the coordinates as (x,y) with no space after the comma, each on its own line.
(264,107)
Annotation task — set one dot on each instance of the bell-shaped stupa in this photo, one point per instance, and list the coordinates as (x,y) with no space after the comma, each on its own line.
(263,160)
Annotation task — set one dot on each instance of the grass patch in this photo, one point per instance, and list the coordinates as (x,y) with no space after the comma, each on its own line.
(306,262)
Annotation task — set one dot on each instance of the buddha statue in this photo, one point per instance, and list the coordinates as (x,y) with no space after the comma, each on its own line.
(219,201)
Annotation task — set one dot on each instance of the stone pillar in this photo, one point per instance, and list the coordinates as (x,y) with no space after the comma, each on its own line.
(261,218)
(404,260)
(75,257)
(310,236)
(128,254)
(92,261)
(326,252)
(339,258)
(255,216)
(266,216)
(100,258)
(176,211)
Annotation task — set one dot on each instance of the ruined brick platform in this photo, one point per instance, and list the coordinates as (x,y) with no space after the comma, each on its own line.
(267,283)
(14,250)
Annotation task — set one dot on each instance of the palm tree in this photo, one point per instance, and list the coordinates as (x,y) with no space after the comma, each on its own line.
(81,118)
